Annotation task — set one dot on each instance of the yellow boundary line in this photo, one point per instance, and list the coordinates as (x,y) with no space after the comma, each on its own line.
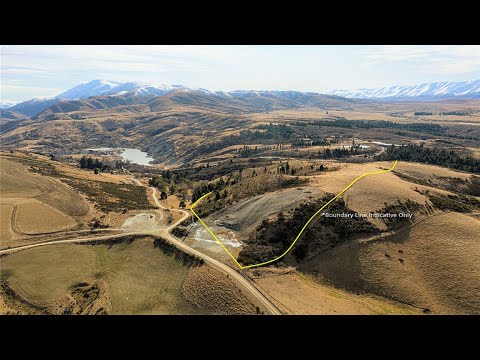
(301,231)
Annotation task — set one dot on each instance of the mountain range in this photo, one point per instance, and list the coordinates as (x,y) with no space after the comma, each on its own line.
(111,93)
(426,91)
(102,94)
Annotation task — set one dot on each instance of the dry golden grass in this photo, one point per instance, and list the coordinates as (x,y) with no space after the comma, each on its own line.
(298,294)
(138,279)
(396,112)
(5,224)
(220,297)
(42,204)
(369,193)
(423,171)
(34,217)
(433,265)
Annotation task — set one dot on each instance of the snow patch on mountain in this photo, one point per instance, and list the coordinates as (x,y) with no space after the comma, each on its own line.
(89,89)
(427,90)
(6,104)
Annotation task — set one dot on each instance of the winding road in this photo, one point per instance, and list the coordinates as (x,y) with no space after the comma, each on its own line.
(241,281)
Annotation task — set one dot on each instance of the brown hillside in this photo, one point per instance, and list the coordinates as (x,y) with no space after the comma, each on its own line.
(434,265)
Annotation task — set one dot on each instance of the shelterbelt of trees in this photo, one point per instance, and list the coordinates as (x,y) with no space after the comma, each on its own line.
(435,156)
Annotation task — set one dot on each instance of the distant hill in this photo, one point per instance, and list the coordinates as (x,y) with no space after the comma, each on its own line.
(7,116)
(238,100)
(426,91)
(11,115)
(34,106)
(103,94)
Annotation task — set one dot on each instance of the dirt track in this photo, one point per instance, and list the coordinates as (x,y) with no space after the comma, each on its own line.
(241,281)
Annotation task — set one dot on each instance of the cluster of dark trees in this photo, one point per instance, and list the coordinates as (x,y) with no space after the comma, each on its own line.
(435,156)
(90,163)
(97,165)
(284,168)
(458,113)
(338,153)
(275,236)
(160,183)
(216,187)
(247,151)
(313,142)
(433,129)
(93,164)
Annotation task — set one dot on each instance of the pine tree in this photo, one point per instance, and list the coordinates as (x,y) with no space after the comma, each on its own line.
(83,162)
(90,163)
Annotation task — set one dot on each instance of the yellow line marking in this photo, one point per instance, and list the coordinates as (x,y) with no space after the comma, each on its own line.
(210,231)
(301,231)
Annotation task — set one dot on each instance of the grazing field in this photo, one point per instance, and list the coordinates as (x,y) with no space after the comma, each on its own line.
(297,294)
(34,217)
(5,224)
(33,204)
(121,277)
(434,265)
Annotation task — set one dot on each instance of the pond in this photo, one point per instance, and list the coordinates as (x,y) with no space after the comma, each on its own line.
(136,156)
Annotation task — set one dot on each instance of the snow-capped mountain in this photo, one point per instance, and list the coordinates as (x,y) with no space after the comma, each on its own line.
(137,92)
(426,91)
(96,88)
(142,89)
(86,90)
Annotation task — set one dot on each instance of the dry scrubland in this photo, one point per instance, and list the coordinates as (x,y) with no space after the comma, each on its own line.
(432,264)
(397,112)
(130,277)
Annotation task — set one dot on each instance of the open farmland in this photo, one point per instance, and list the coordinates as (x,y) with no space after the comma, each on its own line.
(432,265)
(32,204)
(122,277)
(29,222)
(297,294)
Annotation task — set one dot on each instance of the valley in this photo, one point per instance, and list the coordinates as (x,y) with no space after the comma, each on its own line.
(96,191)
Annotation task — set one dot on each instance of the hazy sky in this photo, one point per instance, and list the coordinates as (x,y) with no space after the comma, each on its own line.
(30,71)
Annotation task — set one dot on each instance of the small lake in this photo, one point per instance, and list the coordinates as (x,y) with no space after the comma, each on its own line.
(136,156)
(133,155)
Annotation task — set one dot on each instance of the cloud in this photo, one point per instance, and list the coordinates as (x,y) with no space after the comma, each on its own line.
(22,71)
(429,59)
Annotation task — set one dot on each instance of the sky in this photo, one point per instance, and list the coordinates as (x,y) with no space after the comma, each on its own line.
(46,70)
